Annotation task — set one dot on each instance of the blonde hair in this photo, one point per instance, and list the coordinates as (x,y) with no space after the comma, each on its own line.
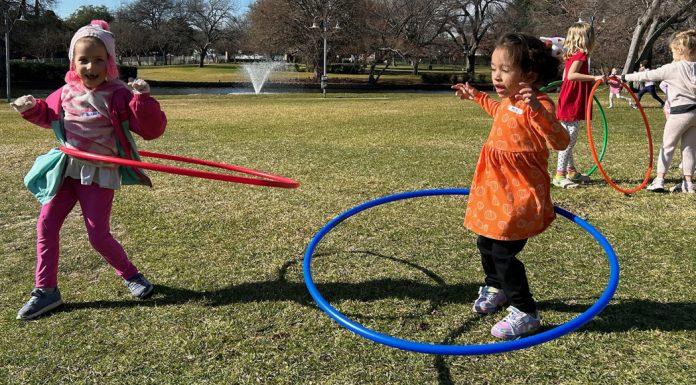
(580,37)
(684,44)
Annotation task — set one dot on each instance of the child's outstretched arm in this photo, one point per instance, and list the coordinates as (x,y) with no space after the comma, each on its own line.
(575,75)
(36,111)
(665,72)
(145,116)
(467,92)
(543,119)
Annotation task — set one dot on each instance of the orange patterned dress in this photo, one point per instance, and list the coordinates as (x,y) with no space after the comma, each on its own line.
(510,193)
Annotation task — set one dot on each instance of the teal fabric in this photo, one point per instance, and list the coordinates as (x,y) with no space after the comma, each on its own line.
(46,175)
(128,174)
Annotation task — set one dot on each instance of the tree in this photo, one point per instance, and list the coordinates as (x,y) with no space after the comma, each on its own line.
(426,20)
(470,22)
(132,38)
(44,36)
(208,19)
(85,14)
(283,27)
(656,19)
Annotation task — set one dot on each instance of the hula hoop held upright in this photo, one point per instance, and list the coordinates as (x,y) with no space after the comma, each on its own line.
(593,150)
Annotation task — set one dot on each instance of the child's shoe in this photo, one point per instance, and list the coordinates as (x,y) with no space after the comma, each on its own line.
(684,186)
(489,301)
(657,185)
(563,182)
(42,301)
(578,178)
(139,286)
(516,324)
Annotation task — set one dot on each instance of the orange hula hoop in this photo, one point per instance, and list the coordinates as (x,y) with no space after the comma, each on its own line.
(593,150)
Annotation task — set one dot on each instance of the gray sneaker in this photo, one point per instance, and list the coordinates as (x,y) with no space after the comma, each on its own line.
(139,286)
(677,188)
(41,301)
(657,185)
(490,300)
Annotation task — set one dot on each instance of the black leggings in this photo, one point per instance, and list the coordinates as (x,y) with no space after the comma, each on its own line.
(504,271)
(652,92)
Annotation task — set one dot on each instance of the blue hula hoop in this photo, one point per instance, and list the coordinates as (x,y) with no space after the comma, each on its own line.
(430,348)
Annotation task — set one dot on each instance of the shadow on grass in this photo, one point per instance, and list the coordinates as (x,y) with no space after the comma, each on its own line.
(619,316)
(280,290)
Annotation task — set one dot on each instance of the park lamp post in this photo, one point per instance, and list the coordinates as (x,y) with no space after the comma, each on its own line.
(324,27)
(8,27)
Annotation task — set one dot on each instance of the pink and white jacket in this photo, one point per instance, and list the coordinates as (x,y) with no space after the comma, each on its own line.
(128,112)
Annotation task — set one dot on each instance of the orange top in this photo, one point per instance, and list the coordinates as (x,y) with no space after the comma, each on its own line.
(510,194)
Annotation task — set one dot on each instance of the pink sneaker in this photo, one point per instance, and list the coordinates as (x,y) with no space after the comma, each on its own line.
(489,301)
(516,324)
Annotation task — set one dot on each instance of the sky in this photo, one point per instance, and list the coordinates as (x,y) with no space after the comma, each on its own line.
(64,8)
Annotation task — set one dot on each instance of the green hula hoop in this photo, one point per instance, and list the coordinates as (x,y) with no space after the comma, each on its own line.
(555,84)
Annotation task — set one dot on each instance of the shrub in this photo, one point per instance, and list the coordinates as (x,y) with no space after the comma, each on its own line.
(435,78)
(52,73)
(345,68)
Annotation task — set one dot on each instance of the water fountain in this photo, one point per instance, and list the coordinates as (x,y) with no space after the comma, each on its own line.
(258,73)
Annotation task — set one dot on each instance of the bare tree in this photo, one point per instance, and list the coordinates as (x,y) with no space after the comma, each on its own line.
(208,19)
(659,17)
(426,21)
(470,22)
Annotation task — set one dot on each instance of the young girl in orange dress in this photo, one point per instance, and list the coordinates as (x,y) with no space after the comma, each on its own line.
(510,198)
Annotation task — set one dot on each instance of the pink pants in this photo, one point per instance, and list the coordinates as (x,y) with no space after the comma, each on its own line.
(95,202)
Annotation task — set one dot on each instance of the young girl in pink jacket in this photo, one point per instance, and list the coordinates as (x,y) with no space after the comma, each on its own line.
(93,112)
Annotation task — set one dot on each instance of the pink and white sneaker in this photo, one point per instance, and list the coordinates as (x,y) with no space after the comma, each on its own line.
(516,324)
(489,300)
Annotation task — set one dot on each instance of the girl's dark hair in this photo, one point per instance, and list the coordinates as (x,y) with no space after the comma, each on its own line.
(532,56)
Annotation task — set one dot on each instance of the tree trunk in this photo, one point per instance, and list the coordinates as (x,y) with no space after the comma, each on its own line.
(471,62)
(656,33)
(638,33)
(415,63)
(200,63)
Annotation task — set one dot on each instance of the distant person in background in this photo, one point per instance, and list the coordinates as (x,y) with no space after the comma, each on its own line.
(615,91)
(648,86)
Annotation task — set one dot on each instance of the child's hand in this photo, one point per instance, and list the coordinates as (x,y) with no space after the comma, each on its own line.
(528,95)
(603,78)
(23,103)
(140,86)
(465,91)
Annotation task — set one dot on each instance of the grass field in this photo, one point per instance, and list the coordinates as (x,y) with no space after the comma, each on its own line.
(235,73)
(231,306)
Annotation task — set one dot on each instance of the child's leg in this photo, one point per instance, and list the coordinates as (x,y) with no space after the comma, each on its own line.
(653,93)
(48,226)
(675,127)
(688,142)
(511,274)
(96,207)
(611,99)
(565,157)
(485,248)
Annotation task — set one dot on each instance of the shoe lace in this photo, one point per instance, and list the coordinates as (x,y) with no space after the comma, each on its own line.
(516,319)
(488,294)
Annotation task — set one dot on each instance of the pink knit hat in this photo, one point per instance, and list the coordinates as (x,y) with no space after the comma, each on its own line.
(100,30)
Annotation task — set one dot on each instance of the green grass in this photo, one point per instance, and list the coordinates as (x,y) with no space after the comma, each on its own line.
(231,305)
(235,73)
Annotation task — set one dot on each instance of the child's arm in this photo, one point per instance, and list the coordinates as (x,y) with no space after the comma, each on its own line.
(655,75)
(36,111)
(575,75)
(144,113)
(543,119)
(467,92)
